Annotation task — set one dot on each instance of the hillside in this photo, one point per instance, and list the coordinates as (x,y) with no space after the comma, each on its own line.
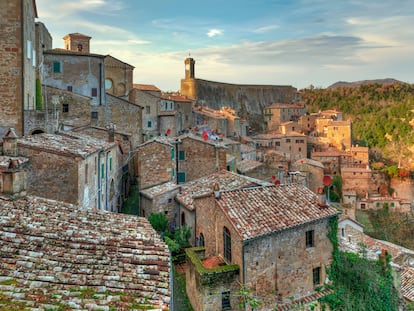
(382,115)
(363,82)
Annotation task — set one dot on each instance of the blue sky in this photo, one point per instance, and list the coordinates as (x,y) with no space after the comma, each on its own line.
(290,42)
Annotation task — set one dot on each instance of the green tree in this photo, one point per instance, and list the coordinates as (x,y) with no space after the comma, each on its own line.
(159,222)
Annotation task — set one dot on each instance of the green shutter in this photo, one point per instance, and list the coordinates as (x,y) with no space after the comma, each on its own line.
(102,170)
(172,154)
(181,177)
(56,66)
(181,155)
(110,164)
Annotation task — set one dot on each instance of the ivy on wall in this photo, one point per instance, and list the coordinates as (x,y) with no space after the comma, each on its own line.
(39,101)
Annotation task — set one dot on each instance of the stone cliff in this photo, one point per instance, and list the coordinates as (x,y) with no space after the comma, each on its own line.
(249,100)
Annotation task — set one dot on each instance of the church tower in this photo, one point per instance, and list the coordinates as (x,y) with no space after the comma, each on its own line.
(188,84)
(77,42)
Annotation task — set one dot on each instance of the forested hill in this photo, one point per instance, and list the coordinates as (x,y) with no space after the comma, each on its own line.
(382,114)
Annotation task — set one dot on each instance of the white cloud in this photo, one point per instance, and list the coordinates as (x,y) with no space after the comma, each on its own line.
(214,32)
(265,29)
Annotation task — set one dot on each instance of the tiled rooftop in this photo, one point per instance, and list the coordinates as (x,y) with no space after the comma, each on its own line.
(285,105)
(159,189)
(309,162)
(146,87)
(5,161)
(68,143)
(248,165)
(407,283)
(264,210)
(204,186)
(56,255)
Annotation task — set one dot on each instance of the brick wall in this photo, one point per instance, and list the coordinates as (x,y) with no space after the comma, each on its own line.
(153,164)
(120,75)
(201,158)
(17,74)
(52,176)
(149,99)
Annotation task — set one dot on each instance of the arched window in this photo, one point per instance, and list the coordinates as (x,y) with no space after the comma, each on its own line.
(201,241)
(227,244)
(182,219)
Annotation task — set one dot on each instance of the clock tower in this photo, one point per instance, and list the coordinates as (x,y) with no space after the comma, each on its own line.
(188,84)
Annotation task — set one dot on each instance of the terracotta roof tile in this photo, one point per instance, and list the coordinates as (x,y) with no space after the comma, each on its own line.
(203,186)
(146,87)
(263,210)
(407,283)
(54,253)
(69,143)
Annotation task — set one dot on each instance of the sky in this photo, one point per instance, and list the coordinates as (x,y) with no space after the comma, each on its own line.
(271,42)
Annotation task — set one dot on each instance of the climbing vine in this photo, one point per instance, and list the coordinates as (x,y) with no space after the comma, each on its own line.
(359,283)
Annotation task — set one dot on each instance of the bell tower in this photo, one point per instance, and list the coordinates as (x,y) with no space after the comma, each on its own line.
(188,84)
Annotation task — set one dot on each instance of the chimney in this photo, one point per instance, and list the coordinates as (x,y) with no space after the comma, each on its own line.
(111,133)
(10,143)
(216,189)
(13,179)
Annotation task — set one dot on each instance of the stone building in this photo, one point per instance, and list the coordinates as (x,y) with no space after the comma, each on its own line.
(360,180)
(56,255)
(281,255)
(118,77)
(188,84)
(175,114)
(18,63)
(79,72)
(149,97)
(336,133)
(154,162)
(73,168)
(61,110)
(377,201)
(331,160)
(190,191)
(313,170)
(278,113)
(196,157)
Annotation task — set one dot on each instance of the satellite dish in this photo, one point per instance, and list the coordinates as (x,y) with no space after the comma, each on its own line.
(327,180)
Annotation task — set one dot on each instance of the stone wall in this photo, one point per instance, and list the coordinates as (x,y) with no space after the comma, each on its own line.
(77,111)
(79,71)
(153,164)
(17,74)
(201,158)
(249,100)
(281,265)
(52,176)
(120,75)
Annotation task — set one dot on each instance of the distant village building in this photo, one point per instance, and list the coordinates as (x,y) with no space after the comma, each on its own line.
(313,172)
(73,168)
(252,240)
(278,113)
(149,97)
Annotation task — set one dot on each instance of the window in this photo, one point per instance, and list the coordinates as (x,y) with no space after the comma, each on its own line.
(180,177)
(288,140)
(343,232)
(172,154)
(225,300)
(80,47)
(94,115)
(147,109)
(316,273)
(94,92)
(227,244)
(69,88)
(29,49)
(362,205)
(86,173)
(310,238)
(65,107)
(34,59)
(201,243)
(182,219)
(110,164)
(57,67)
(149,124)
(181,155)
(102,170)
